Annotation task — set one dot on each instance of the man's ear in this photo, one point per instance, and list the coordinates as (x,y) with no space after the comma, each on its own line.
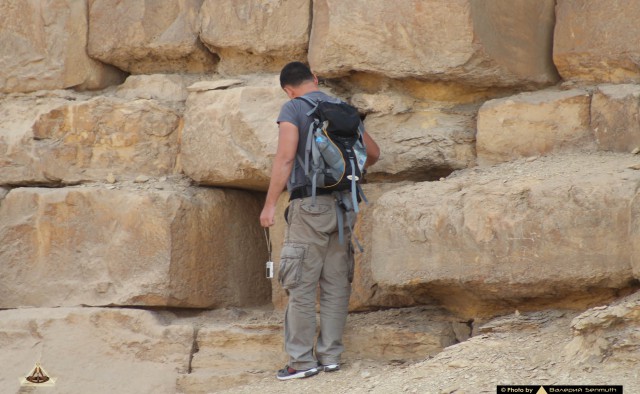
(289,91)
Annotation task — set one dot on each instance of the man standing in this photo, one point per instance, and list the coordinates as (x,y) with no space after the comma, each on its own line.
(312,253)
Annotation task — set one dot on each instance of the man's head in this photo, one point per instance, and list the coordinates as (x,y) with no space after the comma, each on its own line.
(297,79)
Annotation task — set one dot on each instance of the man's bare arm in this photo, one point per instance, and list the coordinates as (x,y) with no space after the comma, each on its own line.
(373,150)
(281,170)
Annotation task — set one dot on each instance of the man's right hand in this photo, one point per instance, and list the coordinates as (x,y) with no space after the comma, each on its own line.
(281,170)
(267,216)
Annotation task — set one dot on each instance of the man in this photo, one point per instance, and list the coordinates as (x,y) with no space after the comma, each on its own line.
(312,253)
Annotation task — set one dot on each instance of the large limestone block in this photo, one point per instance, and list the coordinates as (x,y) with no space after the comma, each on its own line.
(366,293)
(44,47)
(93,350)
(230,136)
(596,41)
(532,124)
(148,36)
(254,35)
(157,244)
(19,112)
(422,145)
(556,230)
(482,43)
(64,140)
(615,117)
(101,136)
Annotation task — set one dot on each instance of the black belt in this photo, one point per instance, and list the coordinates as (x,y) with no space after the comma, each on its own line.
(303,192)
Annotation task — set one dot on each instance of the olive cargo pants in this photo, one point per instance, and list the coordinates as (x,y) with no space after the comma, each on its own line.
(312,255)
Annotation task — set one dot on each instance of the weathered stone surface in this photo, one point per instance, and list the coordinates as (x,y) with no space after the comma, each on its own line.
(607,334)
(253,35)
(531,124)
(239,347)
(43,47)
(89,140)
(552,231)
(163,87)
(497,43)
(366,293)
(615,117)
(220,84)
(93,350)
(157,244)
(422,145)
(634,230)
(250,350)
(19,112)
(233,355)
(382,103)
(595,41)
(409,334)
(148,36)
(230,136)
(69,139)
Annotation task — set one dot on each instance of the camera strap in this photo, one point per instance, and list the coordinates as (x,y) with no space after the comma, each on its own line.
(266,236)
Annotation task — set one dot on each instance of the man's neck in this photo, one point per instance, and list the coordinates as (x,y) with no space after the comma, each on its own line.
(306,88)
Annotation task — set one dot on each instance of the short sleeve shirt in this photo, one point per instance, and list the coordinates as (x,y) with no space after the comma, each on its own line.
(295,112)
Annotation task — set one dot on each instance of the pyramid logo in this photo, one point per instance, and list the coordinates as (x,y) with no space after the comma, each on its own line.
(541,391)
(38,377)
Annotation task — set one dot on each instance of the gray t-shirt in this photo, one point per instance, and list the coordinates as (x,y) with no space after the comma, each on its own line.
(295,112)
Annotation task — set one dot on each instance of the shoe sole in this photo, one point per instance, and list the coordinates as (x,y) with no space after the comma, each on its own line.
(300,374)
(331,368)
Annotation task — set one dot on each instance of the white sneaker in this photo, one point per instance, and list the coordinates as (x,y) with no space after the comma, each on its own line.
(330,367)
(290,373)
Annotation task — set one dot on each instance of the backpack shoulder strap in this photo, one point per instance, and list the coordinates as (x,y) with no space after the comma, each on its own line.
(313,103)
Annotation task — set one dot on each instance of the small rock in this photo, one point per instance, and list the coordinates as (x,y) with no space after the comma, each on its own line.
(111,178)
(636,150)
(458,364)
(141,179)
(365,375)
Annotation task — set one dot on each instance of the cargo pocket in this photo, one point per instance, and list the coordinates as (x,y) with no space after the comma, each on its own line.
(290,271)
(321,217)
(317,208)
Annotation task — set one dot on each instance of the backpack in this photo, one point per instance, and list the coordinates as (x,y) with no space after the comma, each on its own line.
(334,156)
(335,152)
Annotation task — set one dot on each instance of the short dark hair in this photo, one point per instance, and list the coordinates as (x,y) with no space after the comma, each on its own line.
(294,74)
